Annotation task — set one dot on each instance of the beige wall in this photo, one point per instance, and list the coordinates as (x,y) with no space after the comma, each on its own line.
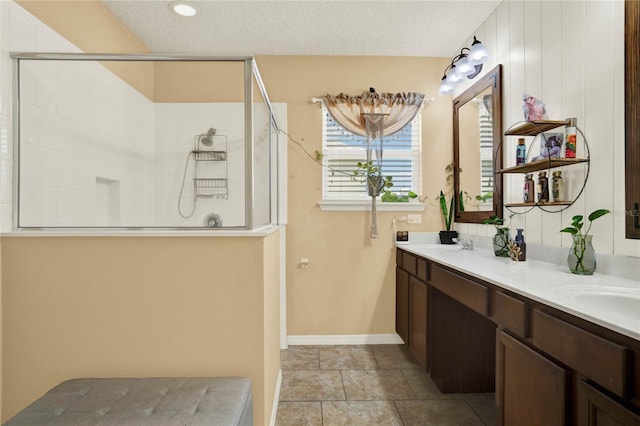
(132,307)
(93,28)
(349,286)
(199,82)
(271,303)
(1,340)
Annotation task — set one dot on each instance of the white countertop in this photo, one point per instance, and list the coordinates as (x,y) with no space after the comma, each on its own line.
(605,300)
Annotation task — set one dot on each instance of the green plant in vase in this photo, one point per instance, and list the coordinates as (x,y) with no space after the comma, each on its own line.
(502,238)
(582,256)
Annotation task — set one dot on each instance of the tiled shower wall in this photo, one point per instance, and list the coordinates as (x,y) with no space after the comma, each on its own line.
(83,161)
(91,165)
(21,32)
(176,126)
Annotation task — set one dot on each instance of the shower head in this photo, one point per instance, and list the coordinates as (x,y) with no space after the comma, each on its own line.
(207,139)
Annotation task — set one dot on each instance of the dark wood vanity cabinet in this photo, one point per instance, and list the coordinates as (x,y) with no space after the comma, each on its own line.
(412,304)
(531,389)
(402,304)
(547,367)
(418,314)
(597,409)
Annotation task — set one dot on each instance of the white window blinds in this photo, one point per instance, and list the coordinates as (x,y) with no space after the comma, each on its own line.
(342,150)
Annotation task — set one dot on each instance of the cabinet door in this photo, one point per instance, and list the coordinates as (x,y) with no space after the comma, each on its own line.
(402,304)
(597,409)
(418,339)
(531,390)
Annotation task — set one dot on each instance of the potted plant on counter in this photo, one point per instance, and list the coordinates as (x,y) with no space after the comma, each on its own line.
(446,208)
(446,204)
(582,256)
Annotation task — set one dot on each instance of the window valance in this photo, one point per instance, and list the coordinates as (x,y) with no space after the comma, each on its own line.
(399,109)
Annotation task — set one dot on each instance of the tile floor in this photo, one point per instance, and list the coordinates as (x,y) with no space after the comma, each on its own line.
(370,385)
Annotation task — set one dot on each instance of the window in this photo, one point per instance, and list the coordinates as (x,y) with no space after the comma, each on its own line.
(342,150)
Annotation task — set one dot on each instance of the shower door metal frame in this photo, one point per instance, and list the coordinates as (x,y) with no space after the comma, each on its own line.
(250,71)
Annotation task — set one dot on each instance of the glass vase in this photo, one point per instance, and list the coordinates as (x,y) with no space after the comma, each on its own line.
(501,242)
(582,256)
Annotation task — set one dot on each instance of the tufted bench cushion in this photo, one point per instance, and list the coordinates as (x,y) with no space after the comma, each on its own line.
(217,401)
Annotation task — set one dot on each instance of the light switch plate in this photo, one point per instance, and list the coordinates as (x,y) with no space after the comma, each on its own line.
(414,218)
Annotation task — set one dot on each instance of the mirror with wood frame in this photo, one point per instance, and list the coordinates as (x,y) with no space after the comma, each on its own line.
(477,153)
(632,118)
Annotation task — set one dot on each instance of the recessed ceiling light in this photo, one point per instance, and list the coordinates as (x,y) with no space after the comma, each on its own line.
(183,8)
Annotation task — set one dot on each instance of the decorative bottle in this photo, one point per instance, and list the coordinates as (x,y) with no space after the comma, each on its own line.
(571,136)
(557,186)
(521,152)
(543,187)
(518,249)
(529,192)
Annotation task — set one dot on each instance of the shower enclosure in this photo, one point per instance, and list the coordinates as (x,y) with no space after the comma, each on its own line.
(143,141)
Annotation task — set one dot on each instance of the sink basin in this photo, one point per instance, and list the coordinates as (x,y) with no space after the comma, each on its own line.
(621,304)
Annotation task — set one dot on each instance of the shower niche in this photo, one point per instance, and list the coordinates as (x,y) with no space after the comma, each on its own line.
(192,142)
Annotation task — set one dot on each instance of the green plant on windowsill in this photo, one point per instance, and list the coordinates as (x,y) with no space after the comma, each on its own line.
(392,197)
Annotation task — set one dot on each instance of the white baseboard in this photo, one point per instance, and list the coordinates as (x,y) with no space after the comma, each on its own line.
(276,398)
(346,339)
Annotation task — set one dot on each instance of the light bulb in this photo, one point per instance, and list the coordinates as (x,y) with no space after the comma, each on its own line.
(463,68)
(452,78)
(445,88)
(478,54)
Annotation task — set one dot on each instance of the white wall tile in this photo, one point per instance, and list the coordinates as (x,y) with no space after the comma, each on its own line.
(23,28)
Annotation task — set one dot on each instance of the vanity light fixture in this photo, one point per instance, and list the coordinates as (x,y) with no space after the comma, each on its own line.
(478,54)
(466,64)
(183,8)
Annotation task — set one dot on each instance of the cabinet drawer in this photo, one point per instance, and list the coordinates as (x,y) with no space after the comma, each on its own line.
(409,263)
(601,360)
(422,269)
(511,314)
(465,291)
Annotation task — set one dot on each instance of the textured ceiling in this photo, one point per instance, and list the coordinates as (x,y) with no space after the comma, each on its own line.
(306,27)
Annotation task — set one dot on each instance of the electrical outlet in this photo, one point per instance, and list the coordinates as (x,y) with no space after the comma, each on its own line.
(304,263)
(414,218)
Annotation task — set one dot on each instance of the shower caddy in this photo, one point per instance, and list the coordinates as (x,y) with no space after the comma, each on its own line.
(215,185)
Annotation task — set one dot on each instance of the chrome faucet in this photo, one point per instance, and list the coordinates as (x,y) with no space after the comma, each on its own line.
(464,243)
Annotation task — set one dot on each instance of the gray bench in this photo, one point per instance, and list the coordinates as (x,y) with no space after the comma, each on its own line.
(220,401)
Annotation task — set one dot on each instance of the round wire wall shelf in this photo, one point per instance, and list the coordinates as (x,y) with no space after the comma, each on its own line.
(538,129)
